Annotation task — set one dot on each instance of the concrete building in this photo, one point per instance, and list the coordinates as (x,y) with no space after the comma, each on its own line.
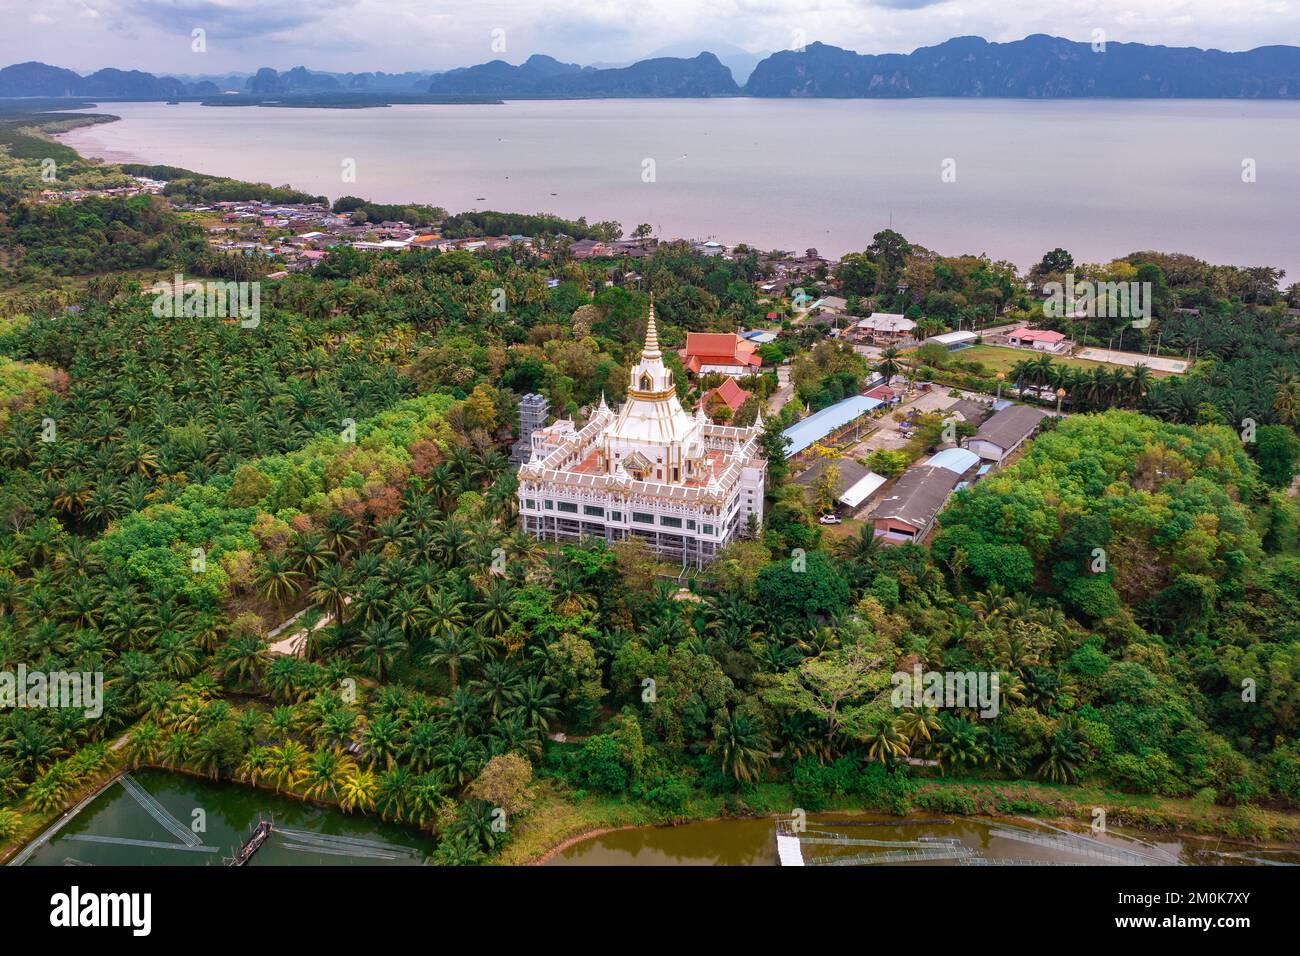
(685,486)
(533,409)
(1041,340)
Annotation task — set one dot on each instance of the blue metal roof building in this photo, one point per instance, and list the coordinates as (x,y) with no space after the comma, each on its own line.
(820,424)
(956,460)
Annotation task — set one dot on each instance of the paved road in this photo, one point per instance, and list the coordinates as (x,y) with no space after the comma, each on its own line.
(889,437)
(785,389)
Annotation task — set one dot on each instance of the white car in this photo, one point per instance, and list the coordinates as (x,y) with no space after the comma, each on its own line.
(829,519)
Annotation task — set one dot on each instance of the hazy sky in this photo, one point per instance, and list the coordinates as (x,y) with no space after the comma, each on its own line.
(396,35)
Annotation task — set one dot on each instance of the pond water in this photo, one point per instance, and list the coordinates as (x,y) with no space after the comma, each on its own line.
(865,839)
(157,818)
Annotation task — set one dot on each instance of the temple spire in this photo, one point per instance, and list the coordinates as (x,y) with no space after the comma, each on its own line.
(651,350)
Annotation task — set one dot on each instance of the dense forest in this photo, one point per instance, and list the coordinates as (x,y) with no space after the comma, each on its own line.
(175,489)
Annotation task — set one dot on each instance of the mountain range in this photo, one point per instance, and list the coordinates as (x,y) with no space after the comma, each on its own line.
(1038,66)
(544,76)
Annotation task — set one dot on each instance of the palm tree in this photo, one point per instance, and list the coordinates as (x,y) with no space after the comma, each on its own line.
(310,554)
(144,744)
(243,659)
(887,740)
(452,651)
(919,724)
(861,548)
(496,613)
(381,645)
(960,744)
(332,589)
(277,581)
(889,364)
(1064,754)
(286,765)
(324,770)
(340,533)
(459,760)
(358,791)
(740,745)
(1139,383)
(445,614)
(534,705)
(255,766)
(380,740)
(1287,403)
(570,597)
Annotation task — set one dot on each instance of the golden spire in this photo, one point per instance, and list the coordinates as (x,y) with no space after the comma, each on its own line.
(651,350)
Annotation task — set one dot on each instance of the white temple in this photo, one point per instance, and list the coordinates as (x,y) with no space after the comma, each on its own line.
(681,483)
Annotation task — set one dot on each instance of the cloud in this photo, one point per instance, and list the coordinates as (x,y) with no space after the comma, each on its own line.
(234,19)
(906,4)
(396,35)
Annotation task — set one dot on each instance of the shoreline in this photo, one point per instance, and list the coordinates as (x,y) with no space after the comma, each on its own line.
(80,139)
(583,837)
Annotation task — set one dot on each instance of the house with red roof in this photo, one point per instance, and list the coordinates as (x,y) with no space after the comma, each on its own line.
(1040,339)
(722,352)
(728,393)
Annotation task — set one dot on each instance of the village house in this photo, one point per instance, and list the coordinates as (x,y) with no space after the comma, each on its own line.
(708,248)
(1006,431)
(882,328)
(907,513)
(884,393)
(588,249)
(724,353)
(1041,340)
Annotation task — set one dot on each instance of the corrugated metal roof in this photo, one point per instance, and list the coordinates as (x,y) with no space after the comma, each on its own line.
(862,489)
(957,460)
(820,424)
(953,338)
(917,496)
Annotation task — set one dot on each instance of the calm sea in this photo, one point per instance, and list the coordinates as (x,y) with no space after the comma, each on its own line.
(1010,178)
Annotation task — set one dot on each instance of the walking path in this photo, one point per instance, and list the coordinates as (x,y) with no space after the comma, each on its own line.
(296,643)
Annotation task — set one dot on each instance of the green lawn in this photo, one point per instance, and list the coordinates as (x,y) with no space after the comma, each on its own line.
(998,358)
